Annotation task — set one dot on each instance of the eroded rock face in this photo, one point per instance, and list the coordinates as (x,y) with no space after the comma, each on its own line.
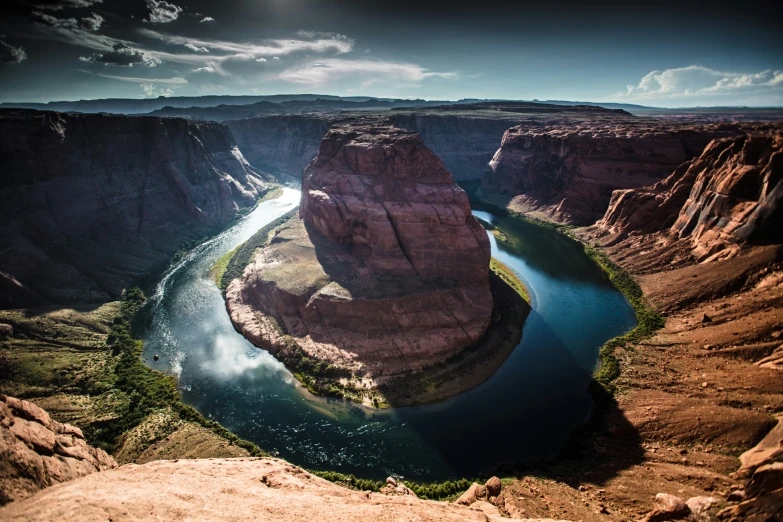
(567,172)
(385,273)
(91,202)
(465,144)
(727,197)
(36,451)
(280,144)
(384,193)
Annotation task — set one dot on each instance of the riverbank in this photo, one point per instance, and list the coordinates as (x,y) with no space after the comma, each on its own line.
(681,397)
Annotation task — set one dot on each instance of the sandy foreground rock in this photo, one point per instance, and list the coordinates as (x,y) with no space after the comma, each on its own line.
(226,489)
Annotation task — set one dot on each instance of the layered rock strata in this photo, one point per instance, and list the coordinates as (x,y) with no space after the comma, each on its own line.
(36,451)
(281,144)
(727,197)
(386,270)
(91,203)
(567,172)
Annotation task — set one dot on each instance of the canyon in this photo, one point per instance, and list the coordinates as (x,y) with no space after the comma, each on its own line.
(94,203)
(691,212)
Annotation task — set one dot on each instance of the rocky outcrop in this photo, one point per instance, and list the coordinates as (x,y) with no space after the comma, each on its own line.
(727,197)
(385,273)
(90,203)
(281,144)
(567,172)
(223,490)
(36,451)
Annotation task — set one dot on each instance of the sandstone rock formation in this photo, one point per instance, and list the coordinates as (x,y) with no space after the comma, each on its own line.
(727,197)
(567,172)
(91,202)
(226,489)
(385,273)
(37,451)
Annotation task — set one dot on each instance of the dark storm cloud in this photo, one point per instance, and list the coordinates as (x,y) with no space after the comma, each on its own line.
(124,56)
(10,54)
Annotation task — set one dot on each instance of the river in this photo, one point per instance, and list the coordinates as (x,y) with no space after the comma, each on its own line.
(525,411)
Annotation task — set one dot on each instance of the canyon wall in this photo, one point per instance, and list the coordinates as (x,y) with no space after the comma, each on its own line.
(92,203)
(287,143)
(567,172)
(282,144)
(385,273)
(464,144)
(727,197)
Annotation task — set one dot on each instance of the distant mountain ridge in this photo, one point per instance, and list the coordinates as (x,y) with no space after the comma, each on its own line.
(162,103)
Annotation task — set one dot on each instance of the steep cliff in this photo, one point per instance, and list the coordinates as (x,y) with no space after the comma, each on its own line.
(90,203)
(567,172)
(282,144)
(385,273)
(727,197)
(465,144)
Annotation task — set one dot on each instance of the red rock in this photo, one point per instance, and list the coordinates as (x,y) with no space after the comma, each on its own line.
(727,197)
(387,270)
(37,451)
(493,486)
(567,172)
(667,507)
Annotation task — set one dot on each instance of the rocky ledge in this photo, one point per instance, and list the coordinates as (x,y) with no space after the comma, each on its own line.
(36,451)
(384,273)
(567,172)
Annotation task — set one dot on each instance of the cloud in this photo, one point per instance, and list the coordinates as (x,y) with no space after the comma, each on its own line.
(324,42)
(695,83)
(57,5)
(275,57)
(153,91)
(90,23)
(124,56)
(162,12)
(196,48)
(207,19)
(261,60)
(169,81)
(208,69)
(10,54)
(360,72)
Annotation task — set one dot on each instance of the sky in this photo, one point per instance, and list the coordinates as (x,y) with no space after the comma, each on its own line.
(664,53)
